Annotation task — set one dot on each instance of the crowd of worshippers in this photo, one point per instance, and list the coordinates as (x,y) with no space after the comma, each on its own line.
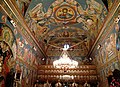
(59,84)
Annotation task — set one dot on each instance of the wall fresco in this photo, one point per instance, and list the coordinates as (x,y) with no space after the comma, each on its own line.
(108,53)
(23,5)
(11,39)
(7,56)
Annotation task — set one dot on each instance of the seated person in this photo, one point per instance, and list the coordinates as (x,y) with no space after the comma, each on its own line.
(58,84)
(47,84)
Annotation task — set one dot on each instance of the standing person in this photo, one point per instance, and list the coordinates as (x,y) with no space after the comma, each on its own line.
(36,83)
(86,84)
(47,84)
(74,84)
(2,83)
(58,84)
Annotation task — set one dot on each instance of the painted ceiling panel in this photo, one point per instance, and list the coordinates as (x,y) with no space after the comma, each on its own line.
(45,3)
(59,22)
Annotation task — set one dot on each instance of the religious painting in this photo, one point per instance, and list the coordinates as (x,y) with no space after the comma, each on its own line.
(110,3)
(37,12)
(118,41)
(111,67)
(113,38)
(33,57)
(65,13)
(26,54)
(108,47)
(5,63)
(103,55)
(23,5)
(7,34)
(24,50)
(18,74)
(110,44)
(4,18)
(6,54)
(117,65)
(14,49)
(97,59)
(20,49)
(41,31)
(117,28)
(106,71)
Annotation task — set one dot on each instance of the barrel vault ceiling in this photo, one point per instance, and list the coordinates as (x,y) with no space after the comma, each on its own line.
(58,22)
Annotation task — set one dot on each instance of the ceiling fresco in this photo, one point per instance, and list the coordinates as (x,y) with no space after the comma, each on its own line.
(59,22)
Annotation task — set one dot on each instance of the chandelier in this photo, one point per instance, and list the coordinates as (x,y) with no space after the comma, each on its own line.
(65,62)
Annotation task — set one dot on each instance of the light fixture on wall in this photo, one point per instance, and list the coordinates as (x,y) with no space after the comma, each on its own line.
(65,62)
(90,59)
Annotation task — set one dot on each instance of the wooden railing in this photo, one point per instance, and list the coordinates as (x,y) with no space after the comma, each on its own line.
(81,73)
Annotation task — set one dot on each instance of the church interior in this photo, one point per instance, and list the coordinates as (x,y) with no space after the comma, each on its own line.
(59,43)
